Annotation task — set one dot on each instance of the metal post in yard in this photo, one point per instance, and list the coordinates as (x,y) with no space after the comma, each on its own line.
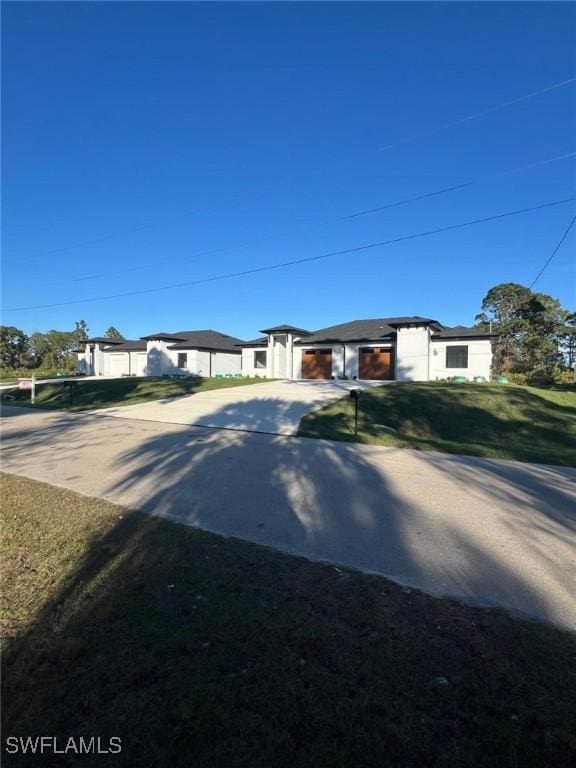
(33,390)
(355,395)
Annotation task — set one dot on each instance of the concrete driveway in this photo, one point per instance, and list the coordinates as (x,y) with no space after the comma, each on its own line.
(275,407)
(492,532)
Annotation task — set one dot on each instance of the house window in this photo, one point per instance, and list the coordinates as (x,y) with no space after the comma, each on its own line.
(457,357)
(182,359)
(260,359)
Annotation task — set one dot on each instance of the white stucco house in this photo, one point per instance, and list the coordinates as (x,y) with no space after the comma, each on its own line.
(194,353)
(381,349)
(394,348)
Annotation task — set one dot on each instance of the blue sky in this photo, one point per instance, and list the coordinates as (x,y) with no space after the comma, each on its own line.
(155,132)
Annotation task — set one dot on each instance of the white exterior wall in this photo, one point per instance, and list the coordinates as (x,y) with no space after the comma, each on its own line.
(83,364)
(279,356)
(297,363)
(161,360)
(138,363)
(199,362)
(479,359)
(248,368)
(226,362)
(116,363)
(99,361)
(412,354)
(351,360)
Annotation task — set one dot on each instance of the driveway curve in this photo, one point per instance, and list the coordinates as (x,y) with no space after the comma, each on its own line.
(492,532)
(274,407)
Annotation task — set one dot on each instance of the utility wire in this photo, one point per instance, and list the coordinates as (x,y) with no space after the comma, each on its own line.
(132,230)
(476,115)
(323,222)
(554,252)
(293,262)
(119,233)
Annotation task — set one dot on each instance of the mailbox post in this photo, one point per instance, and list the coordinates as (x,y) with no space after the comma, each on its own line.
(355,396)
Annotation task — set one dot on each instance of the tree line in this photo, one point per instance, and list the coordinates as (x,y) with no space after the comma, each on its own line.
(52,350)
(536,335)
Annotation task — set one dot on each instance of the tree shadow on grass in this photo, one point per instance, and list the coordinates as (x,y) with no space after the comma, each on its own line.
(465,418)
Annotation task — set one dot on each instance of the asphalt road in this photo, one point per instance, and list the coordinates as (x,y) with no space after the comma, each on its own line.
(489,532)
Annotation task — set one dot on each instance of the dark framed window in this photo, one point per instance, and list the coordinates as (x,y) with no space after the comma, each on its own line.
(260,358)
(182,359)
(325,351)
(457,356)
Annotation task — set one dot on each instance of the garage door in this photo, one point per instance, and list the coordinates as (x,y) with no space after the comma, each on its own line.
(316,363)
(117,364)
(376,363)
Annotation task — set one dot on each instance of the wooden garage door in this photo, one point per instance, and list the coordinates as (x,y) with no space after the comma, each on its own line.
(316,363)
(376,363)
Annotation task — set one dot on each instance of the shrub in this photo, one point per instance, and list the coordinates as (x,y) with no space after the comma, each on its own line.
(517,378)
(40,373)
(555,375)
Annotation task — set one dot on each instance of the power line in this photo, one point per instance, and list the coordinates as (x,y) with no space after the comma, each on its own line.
(119,233)
(461,186)
(476,115)
(139,228)
(294,262)
(322,222)
(554,252)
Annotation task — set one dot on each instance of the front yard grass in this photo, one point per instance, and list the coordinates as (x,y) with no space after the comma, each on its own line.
(200,650)
(81,395)
(536,424)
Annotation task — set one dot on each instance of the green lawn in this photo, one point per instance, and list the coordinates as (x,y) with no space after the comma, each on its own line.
(504,422)
(93,393)
(202,651)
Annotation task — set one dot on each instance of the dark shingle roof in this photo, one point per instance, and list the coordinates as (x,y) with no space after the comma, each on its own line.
(129,345)
(366,330)
(289,328)
(205,340)
(461,332)
(102,340)
(162,335)
(261,341)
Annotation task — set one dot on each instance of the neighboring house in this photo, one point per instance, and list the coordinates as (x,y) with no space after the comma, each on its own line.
(194,353)
(393,348)
(198,353)
(383,349)
(112,357)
